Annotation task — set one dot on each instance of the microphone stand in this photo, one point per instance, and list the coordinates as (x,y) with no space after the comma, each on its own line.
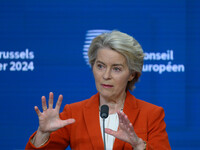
(104,114)
(104,139)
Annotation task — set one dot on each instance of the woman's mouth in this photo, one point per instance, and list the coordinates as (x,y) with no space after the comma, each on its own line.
(107,85)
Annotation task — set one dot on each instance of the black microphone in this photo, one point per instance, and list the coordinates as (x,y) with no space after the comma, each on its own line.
(104,114)
(104,111)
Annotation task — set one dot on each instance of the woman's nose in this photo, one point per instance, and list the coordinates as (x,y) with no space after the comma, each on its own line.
(107,74)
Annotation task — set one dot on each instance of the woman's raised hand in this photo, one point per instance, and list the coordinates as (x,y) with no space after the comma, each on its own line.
(49,119)
(126,132)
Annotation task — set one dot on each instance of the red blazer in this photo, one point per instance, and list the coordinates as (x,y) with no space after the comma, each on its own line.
(85,133)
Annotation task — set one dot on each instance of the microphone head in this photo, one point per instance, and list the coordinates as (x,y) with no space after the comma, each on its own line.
(104,111)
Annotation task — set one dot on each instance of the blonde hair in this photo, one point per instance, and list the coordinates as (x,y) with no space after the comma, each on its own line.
(125,45)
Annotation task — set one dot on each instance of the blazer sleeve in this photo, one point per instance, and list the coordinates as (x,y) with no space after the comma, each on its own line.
(59,139)
(157,138)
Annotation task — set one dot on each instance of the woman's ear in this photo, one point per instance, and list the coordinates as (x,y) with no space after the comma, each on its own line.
(132,76)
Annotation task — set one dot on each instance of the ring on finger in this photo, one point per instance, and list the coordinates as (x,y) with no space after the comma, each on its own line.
(45,108)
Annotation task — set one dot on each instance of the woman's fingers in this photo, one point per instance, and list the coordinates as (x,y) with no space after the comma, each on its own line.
(68,121)
(50,100)
(44,104)
(131,128)
(111,132)
(125,124)
(59,102)
(123,119)
(37,111)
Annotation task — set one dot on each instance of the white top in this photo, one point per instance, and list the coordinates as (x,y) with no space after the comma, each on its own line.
(112,122)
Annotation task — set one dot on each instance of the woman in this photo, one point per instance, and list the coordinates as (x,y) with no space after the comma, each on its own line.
(116,60)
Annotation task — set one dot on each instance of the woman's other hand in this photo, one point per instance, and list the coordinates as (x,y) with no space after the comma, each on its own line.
(49,120)
(126,132)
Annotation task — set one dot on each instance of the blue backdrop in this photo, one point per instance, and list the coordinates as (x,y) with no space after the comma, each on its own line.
(43,46)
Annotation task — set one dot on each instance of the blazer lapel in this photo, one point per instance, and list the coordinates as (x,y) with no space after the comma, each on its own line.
(91,116)
(131,108)
(132,111)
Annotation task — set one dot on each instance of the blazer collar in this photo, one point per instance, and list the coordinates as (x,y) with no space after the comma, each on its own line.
(91,115)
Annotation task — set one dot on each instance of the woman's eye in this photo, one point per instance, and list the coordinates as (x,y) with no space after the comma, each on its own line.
(99,66)
(116,69)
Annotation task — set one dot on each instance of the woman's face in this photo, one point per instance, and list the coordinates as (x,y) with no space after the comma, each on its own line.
(111,74)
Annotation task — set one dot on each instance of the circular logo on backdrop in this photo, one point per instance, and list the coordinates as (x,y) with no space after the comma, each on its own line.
(89,36)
